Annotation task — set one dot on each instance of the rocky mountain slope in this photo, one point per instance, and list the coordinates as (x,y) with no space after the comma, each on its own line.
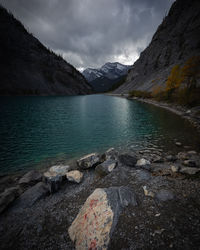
(104,78)
(27,67)
(176,40)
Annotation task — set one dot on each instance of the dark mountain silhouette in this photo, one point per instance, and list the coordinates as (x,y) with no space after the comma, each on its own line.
(27,67)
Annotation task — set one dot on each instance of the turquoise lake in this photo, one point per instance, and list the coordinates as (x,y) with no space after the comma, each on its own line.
(40,131)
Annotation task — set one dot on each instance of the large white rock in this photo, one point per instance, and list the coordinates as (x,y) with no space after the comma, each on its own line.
(74,176)
(88,161)
(93,226)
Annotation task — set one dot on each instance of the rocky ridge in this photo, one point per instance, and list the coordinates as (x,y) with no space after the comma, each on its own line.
(175,41)
(27,67)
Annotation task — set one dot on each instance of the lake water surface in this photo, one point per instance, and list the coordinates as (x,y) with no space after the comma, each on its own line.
(37,130)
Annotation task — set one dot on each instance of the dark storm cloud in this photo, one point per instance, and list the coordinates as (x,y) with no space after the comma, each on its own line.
(89,33)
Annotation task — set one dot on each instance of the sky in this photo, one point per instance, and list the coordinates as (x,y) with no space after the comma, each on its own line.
(89,33)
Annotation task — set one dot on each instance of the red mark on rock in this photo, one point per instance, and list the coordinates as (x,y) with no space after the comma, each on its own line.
(93,245)
(93,203)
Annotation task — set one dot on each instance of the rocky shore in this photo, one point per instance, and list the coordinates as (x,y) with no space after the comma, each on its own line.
(145,199)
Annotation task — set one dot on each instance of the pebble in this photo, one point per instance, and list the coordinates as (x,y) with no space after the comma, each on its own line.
(174,168)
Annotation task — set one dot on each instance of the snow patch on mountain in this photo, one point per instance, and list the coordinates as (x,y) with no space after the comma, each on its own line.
(108,70)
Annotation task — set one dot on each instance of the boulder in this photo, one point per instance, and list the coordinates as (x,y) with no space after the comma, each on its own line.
(89,161)
(59,170)
(55,176)
(164,195)
(7,197)
(111,153)
(189,163)
(182,156)
(30,178)
(171,158)
(53,181)
(95,223)
(106,167)
(128,160)
(189,170)
(143,163)
(178,144)
(74,176)
(32,195)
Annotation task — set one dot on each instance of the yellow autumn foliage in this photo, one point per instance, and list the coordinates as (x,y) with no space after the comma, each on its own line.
(174,79)
(191,71)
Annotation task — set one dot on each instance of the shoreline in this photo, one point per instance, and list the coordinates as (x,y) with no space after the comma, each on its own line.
(162,186)
(145,189)
(189,114)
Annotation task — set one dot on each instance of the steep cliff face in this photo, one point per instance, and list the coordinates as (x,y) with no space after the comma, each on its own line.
(176,40)
(28,68)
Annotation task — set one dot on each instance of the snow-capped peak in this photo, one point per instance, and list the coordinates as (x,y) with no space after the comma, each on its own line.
(108,70)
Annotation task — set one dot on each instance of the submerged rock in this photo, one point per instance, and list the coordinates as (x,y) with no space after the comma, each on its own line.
(7,197)
(98,217)
(74,176)
(88,161)
(106,167)
(30,178)
(128,160)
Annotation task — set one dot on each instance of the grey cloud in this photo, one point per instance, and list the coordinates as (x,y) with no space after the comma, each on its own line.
(90,33)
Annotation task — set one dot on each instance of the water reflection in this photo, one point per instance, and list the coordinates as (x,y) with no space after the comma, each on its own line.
(34,129)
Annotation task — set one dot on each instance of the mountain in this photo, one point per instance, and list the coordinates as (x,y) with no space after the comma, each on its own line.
(176,40)
(104,78)
(27,67)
